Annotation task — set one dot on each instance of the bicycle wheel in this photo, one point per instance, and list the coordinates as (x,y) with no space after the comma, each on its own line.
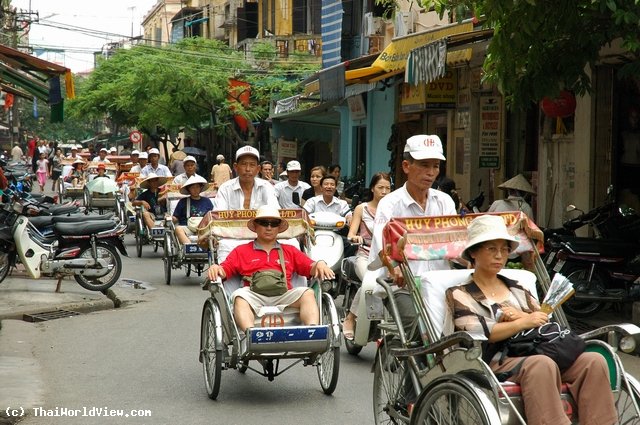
(449,403)
(392,386)
(329,361)
(167,258)
(627,414)
(211,356)
(139,235)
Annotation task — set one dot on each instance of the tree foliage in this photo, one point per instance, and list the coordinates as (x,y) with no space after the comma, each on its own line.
(183,85)
(542,46)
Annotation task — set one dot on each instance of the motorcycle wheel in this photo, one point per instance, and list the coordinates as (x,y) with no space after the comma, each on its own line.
(104,282)
(4,265)
(582,309)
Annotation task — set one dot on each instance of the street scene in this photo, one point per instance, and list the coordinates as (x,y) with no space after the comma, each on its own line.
(417,212)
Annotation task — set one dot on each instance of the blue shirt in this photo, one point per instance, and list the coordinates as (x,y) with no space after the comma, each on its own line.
(197,208)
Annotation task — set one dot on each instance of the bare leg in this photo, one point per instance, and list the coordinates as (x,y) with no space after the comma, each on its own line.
(243,314)
(309,313)
(182,236)
(148,219)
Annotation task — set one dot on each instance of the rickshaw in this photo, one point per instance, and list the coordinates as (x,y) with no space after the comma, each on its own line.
(192,256)
(277,336)
(103,193)
(67,190)
(155,235)
(435,379)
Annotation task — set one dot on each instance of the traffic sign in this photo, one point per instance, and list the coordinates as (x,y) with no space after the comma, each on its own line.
(135,136)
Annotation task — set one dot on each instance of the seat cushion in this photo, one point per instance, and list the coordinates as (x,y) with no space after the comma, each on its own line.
(434,285)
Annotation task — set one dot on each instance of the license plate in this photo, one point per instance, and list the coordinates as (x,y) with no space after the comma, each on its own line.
(157,231)
(558,266)
(132,219)
(550,258)
(271,335)
(193,249)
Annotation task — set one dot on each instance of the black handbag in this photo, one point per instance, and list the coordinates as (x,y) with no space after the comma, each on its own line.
(551,339)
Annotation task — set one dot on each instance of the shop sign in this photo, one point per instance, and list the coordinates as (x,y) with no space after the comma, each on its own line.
(287,149)
(490,128)
(356,107)
(442,93)
(412,98)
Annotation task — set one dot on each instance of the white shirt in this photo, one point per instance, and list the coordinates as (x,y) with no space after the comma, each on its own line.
(161,171)
(512,203)
(400,204)
(98,159)
(337,206)
(16,153)
(135,168)
(231,197)
(284,192)
(182,178)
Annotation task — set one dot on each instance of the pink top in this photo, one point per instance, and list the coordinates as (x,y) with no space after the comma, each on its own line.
(42,165)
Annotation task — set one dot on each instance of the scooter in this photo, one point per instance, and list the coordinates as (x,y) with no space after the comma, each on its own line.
(327,244)
(84,250)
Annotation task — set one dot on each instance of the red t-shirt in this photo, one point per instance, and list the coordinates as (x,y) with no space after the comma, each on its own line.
(249,258)
(31,147)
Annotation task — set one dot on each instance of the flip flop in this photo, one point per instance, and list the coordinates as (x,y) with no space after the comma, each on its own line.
(348,334)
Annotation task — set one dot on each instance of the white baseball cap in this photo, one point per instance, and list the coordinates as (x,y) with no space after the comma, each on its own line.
(143,155)
(220,157)
(135,152)
(74,148)
(248,150)
(293,166)
(189,158)
(113,149)
(153,151)
(423,146)
(103,149)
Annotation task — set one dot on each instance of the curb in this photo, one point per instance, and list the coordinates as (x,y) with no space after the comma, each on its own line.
(80,307)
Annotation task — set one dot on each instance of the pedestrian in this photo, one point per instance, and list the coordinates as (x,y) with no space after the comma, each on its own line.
(221,172)
(56,172)
(32,147)
(285,190)
(517,188)
(16,153)
(42,170)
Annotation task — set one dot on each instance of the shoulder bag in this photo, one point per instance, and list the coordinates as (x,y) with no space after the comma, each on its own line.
(269,283)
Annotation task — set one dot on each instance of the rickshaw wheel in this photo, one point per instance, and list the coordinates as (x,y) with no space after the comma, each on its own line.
(5,265)
(168,259)
(624,401)
(390,390)
(211,356)
(329,361)
(188,270)
(155,246)
(449,403)
(139,236)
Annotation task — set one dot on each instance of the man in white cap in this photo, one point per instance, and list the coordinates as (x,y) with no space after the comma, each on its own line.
(102,156)
(285,190)
(113,150)
(265,253)
(154,166)
(247,191)
(189,163)
(421,164)
(74,152)
(221,172)
(193,206)
(141,162)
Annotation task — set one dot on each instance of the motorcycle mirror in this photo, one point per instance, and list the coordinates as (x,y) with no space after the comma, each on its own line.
(355,201)
(295,198)
(570,208)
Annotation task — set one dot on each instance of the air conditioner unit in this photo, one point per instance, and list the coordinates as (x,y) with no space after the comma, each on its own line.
(374,25)
(408,21)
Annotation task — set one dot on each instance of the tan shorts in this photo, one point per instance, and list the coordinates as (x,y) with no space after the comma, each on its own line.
(256,301)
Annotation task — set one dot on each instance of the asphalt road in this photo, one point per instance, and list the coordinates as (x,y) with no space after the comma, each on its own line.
(144,356)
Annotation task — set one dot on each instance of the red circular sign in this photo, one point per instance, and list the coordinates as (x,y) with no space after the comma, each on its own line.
(135,136)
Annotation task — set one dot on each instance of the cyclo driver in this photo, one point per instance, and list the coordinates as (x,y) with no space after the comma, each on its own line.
(265,253)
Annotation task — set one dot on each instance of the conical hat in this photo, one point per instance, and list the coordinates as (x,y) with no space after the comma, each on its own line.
(518,182)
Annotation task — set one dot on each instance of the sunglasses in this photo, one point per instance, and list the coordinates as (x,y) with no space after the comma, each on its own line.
(268,223)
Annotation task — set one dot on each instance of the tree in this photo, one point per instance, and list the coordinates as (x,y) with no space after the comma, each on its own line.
(540,47)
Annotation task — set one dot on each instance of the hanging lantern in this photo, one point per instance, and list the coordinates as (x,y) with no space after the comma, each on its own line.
(560,107)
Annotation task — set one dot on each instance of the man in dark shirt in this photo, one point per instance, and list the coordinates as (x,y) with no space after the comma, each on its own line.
(154,206)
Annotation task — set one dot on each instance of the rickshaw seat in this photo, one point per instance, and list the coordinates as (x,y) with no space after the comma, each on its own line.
(434,285)
(515,390)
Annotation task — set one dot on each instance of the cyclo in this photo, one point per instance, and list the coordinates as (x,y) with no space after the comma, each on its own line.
(104,194)
(443,379)
(191,256)
(155,234)
(69,190)
(277,335)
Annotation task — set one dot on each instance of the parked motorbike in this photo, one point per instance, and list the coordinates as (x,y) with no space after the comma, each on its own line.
(476,203)
(85,250)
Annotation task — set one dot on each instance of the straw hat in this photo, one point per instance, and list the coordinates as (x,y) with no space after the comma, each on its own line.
(266,211)
(179,155)
(145,183)
(487,228)
(194,180)
(518,182)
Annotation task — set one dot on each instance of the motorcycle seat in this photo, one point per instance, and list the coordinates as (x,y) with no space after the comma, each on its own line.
(85,228)
(41,221)
(61,209)
(77,218)
(349,268)
(602,247)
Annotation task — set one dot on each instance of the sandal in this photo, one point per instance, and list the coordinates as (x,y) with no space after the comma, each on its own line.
(347,330)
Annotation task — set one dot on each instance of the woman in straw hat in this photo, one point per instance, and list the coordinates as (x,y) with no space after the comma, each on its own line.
(496,307)
(265,253)
(517,188)
(193,206)
(155,207)
(76,176)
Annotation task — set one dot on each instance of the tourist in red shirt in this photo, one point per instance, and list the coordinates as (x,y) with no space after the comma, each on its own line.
(263,254)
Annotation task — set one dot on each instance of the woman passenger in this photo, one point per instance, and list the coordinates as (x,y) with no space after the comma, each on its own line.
(317,173)
(361,232)
(497,307)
